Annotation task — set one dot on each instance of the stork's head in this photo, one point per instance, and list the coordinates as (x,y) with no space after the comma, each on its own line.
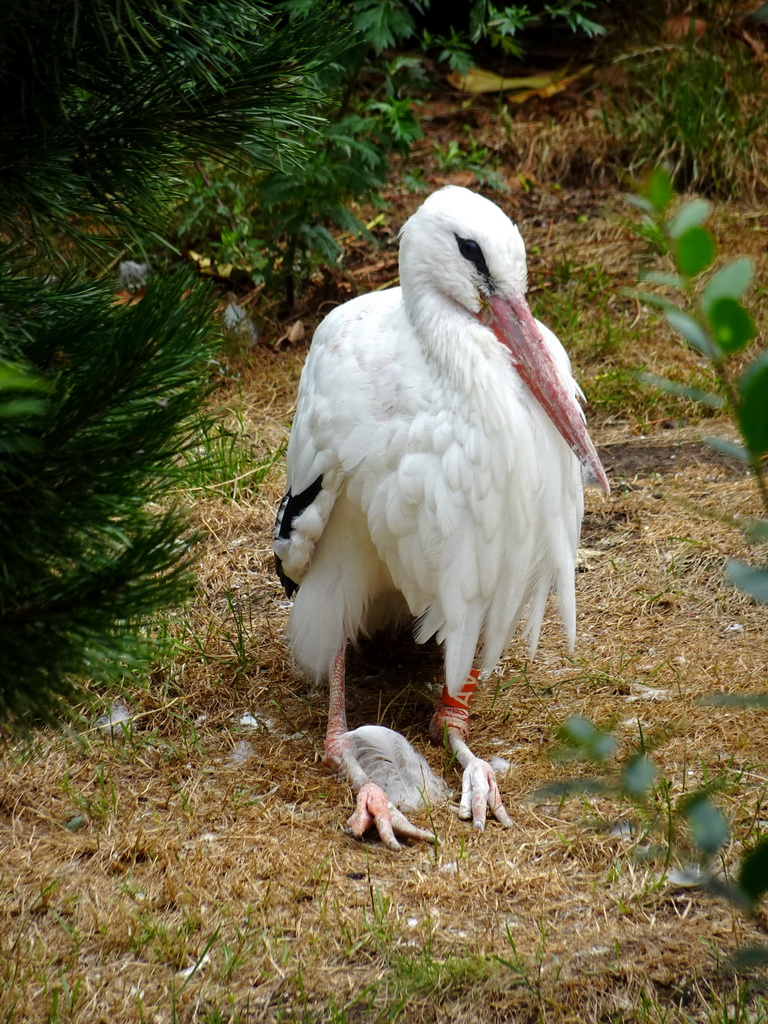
(464,247)
(460,252)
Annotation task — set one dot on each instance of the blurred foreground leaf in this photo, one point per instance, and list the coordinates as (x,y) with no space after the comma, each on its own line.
(752,581)
(695,251)
(753,871)
(638,775)
(732,326)
(730,281)
(709,829)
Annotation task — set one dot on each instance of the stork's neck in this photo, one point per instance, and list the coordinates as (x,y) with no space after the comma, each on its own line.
(463,354)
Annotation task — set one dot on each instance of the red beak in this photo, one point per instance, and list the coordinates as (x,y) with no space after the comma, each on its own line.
(513,324)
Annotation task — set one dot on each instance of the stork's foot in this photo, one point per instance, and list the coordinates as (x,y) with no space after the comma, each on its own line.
(480,794)
(374,808)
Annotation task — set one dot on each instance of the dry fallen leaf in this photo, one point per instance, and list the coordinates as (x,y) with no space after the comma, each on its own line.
(296,332)
(293,334)
(639,691)
(554,87)
(681,26)
(124,297)
(477,80)
(586,558)
(463,178)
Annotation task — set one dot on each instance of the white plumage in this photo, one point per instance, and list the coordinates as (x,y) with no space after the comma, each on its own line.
(401,772)
(434,469)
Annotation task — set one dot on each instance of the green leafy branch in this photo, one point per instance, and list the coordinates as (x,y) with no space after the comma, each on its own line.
(709,314)
(711,318)
(637,779)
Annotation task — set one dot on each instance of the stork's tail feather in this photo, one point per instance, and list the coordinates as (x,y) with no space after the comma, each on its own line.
(289,586)
(388,759)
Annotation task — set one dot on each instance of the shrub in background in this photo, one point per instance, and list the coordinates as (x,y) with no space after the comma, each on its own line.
(696,105)
(278,226)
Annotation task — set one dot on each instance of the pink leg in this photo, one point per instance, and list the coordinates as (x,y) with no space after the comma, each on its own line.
(479,789)
(373,804)
(337,714)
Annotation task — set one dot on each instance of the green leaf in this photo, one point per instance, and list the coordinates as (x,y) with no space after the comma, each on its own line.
(734,700)
(21,408)
(732,326)
(756,530)
(753,871)
(638,775)
(578,729)
(642,204)
(578,22)
(691,215)
(730,448)
(694,251)
(746,958)
(752,581)
(726,890)
(383,25)
(753,405)
(661,278)
(650,298)
(594,742)
(672,387)
(691,330)
(709,829)
(730,281)
(658,189)
(14,378)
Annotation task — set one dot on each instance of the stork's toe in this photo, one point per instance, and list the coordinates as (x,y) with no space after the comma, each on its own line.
(374,809)
(480,794)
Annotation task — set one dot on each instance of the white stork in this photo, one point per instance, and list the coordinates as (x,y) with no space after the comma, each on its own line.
(435,475)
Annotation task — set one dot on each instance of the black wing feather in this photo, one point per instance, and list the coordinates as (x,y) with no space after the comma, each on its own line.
(290,509)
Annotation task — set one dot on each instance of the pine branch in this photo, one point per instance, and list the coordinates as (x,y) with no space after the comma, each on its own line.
(103,105)
(84,558)
(101,111)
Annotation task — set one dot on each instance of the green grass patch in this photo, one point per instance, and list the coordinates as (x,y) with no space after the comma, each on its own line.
(223,463)
(698,107)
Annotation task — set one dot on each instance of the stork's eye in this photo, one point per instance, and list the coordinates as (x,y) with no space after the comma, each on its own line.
(471,251)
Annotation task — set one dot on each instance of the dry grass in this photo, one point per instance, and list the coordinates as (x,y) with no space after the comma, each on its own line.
(191,838)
